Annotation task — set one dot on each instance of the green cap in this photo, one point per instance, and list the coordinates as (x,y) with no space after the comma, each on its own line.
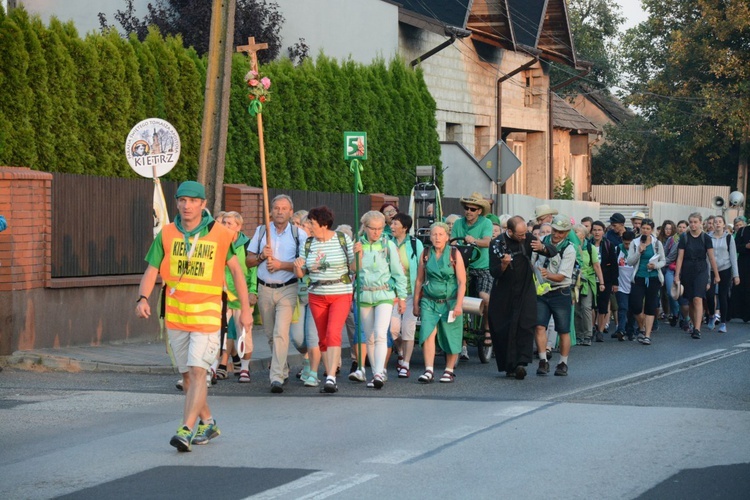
(561,223)
(494,219)
(191,189)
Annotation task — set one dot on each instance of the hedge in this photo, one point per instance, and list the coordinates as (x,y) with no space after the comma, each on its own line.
(73,101)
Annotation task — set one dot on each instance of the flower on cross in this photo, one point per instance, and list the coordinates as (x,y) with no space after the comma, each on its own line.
(258,91)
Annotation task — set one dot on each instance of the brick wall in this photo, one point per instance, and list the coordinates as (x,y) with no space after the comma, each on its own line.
(25,252)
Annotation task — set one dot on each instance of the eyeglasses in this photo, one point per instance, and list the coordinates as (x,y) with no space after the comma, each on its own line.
(472,209)
(390,212)
(374,228)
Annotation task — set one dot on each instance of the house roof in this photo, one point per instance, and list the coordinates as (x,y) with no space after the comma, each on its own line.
(564,116)
(538,24)
(434,15)
(612,107)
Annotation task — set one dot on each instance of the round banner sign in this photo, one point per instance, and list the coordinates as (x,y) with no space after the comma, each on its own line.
(152,147)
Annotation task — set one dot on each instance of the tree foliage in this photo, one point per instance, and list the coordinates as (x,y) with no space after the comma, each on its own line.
(688,66)
(191,19)
(75,100)
(595,26)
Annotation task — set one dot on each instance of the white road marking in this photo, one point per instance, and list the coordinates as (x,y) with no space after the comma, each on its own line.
(514,411)
(287,488)
(394,457)
(745,345)
(639,374)
(338,487)
(461,431)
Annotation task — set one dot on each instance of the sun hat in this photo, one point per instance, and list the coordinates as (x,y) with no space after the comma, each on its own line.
(638,215)
(477,199)
(561,223)
(543,210)
(191,189)
(617,218)
(676,290)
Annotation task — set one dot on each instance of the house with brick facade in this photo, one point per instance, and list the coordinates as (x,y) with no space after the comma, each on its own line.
(486,63)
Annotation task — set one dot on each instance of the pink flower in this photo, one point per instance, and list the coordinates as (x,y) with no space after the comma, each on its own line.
(266,82)
(253,83)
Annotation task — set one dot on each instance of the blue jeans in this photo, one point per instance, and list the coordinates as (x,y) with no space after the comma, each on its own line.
(625,320)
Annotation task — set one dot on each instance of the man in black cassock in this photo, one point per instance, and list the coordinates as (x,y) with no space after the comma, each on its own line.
(739,304)
(512,310)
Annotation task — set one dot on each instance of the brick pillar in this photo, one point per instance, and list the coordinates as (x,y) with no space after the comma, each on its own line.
(248,201)
(377,200)
(25,249)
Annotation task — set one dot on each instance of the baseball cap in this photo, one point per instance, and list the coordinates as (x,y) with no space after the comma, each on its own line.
(191,189)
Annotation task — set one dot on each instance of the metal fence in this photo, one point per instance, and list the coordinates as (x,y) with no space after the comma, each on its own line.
(102,226)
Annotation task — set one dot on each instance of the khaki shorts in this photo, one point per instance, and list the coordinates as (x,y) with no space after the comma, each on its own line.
(193,349)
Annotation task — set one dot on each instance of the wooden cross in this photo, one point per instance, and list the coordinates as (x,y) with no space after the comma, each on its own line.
(252,49)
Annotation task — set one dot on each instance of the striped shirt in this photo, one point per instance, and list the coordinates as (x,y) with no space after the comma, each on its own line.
(327,262)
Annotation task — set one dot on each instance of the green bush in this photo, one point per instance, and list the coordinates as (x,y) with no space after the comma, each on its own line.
(74,101)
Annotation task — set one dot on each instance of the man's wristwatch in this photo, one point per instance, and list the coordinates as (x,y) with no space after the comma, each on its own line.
(141,298)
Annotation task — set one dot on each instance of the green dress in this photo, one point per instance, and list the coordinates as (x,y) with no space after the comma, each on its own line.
(438,299)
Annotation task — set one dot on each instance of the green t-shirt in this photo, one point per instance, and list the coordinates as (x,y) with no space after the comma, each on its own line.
(482,228)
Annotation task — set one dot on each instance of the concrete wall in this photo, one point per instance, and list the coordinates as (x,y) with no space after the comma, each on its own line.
(516,204)
(361,30)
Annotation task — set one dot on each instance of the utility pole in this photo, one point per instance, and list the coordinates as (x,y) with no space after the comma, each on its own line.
(216,104)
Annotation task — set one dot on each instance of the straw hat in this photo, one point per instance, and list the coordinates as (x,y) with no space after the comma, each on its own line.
(545,209)
(638,215)
(478,200)
(677,290)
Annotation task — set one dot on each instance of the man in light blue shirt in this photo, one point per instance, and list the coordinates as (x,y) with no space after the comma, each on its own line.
(277,283)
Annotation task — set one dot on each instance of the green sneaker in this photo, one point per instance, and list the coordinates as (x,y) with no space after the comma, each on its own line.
(182,439)
(206,432)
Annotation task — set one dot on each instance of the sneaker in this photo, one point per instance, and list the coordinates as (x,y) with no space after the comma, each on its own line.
(673,320)
(183,439)
(357,376)
(378,381)
(585,342)
(354,367)
(330,386)
(620,335)
(180,385)
(711,323)
(549,355)
(276,387)
(206,432)
(561,370)
(304,373)
(312,380)
(464,356)
(244,377)
(696,334)
(543,367)
(723,328)
(599,337)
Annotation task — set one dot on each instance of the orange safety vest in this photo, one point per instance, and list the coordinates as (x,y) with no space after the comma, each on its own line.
(194,286)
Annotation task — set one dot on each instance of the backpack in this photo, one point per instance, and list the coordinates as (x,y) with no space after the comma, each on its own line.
(295,235)
(575,277)
(426,256)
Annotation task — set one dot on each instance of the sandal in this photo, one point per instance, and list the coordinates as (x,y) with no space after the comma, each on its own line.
(487,341)
(448,377)
(403,372)
(426,377)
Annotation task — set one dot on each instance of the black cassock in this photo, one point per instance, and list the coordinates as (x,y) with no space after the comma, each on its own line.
(739,304)
(512,309)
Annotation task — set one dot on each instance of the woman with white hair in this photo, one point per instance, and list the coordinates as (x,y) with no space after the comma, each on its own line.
(438,297)
(381,282)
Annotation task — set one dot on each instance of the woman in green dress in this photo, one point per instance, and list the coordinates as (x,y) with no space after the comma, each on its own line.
(439,294)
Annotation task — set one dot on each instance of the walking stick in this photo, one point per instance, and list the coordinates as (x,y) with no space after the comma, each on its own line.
(356,167)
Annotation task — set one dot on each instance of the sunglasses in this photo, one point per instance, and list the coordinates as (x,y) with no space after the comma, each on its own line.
(472,209)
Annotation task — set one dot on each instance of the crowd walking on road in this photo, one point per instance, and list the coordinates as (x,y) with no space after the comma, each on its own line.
(542,286)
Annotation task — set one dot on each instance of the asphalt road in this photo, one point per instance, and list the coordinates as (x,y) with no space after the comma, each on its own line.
(670,420)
